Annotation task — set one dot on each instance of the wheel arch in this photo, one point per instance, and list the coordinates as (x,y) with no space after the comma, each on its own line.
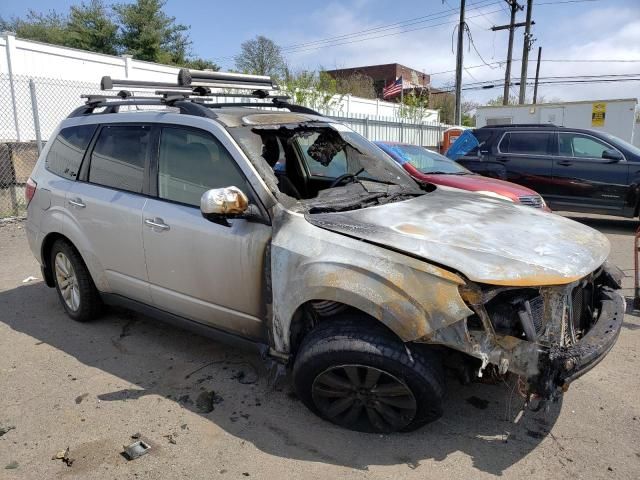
(311,313)
(45,254)
(47,244)
(411,304)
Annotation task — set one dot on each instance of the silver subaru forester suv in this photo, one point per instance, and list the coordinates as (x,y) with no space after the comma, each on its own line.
(284,230)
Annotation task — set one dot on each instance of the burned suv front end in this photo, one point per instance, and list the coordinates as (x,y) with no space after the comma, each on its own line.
(550,335)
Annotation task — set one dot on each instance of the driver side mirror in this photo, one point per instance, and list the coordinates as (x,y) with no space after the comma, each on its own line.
(613,155)
(218,204)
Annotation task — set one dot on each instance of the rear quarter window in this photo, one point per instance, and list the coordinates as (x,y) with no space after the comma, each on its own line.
(526,143)
(67,150)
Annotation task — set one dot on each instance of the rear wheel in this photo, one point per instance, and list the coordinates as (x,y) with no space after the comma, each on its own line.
(357,374)
(74,285)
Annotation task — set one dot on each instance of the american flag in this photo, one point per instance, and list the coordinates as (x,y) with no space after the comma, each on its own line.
(394,89)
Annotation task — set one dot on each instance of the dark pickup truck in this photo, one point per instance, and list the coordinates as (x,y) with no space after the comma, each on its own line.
(573,169)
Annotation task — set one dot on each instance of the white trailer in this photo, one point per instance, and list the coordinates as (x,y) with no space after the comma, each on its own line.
(616,117)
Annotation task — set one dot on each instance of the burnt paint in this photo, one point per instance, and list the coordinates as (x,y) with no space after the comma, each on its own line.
(488,240)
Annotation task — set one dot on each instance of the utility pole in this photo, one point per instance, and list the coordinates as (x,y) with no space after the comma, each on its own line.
(528,42)
(512,26)
(535,86)
(458,112)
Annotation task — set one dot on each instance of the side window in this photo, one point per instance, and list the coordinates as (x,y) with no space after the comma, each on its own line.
(66,152)
(337,166)
(192,162)
(119,157)
(526,143)
(582,146)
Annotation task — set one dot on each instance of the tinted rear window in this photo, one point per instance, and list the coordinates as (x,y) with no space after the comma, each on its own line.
(119,156)
(66,152)
(531,143)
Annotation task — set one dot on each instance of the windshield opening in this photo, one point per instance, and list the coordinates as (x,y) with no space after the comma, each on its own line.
(317,160)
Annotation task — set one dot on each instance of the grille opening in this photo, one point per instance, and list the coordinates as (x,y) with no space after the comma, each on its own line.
(510,310)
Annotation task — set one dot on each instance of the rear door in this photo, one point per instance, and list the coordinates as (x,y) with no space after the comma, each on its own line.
(585,180)
(107,205)
(199,269)
(528,158)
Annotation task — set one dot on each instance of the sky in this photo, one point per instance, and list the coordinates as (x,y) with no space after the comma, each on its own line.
(575,30)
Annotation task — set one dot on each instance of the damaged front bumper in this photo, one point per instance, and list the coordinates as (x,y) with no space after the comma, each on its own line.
(548,336)
(559,366)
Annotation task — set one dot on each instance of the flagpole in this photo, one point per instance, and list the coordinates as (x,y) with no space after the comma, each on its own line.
(401,90)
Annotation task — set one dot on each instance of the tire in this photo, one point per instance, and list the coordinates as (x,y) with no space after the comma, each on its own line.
(351,371)
(73,282)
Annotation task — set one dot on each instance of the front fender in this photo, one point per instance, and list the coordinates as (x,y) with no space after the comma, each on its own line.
(409,296)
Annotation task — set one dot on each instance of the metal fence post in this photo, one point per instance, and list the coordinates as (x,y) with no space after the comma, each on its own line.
(421,134)
(10,39)
(366,127)
(401,131)
(36,117)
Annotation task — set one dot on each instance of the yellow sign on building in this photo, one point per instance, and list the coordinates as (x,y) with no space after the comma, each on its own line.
(598,113)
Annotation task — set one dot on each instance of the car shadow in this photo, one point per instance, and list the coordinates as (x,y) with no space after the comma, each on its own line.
(238,393)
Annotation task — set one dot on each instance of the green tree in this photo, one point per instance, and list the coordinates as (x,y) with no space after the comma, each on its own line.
(50,27)
(468,108)
(141,29)
(413,106)
(198,63)
(261,56)
(317,90)
(356,84)
(147,33)
(445,102)
(90,27)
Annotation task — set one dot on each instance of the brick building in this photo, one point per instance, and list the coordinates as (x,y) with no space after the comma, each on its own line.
(386,74)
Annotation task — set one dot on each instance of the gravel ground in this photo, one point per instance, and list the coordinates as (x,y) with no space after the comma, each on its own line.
(210,411)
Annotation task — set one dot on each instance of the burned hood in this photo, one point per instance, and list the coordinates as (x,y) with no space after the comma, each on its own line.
(488,240)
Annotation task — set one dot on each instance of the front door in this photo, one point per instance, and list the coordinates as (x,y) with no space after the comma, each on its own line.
(585,180)
(198,269)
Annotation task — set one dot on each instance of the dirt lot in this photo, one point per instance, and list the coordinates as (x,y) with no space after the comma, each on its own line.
(210,411)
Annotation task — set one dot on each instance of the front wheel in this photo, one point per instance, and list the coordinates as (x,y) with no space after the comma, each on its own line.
(358,375)
(73,282)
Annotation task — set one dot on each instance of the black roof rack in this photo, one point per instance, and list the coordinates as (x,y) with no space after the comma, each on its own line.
(189,94)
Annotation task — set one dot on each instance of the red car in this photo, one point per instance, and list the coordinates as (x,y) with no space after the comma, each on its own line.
(428,166)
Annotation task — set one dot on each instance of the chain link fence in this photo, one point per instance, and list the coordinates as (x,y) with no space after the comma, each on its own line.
(30,110)
(32,107)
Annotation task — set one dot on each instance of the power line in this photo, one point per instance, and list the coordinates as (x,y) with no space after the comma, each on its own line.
(548,81)
(566,1)
(500,62)
(386,35)
(400,24)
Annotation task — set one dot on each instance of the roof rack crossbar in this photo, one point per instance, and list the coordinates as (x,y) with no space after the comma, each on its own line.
(188,77)
(184,105)
(122,95)
(276,103)
(108,83)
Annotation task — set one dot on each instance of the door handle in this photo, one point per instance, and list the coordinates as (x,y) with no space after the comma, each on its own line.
(156,223)
(77,202)
(565,163)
